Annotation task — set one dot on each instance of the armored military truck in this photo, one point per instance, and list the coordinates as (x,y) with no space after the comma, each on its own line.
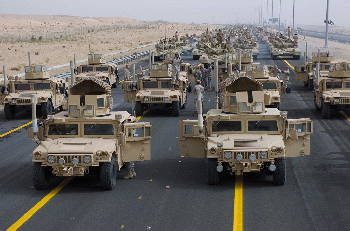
(89,137)
(333,91)
(98,67)
(306,73)
(50,92)
(244,136)
(158,90)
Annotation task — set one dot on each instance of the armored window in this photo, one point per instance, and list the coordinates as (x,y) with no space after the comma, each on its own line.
(22,87)
(42,86)
(337,67)
(182,68)
(227,126)
(38,69)
(89,111)
(233,100)
(302,69)
(89,56)
(28,69)
(327,67)
(136,132)
(96,56)
(347,84)
(260,68)
(300,127)
(150,84)
(73,110)
(188,129)
(348,67)
(87,69)
(166,84)
(263,126)
(333,85)
(102,69)
(98,129)
(243,107)
(270,85)
(313,66)
(100,102)
(164,67)
(154,67)
(63,129)
(147,131)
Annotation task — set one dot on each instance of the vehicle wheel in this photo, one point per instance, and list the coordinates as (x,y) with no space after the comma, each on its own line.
(108,174)
(46,109)
(296,57)
(176,108)
(306,84)
(310,85)
(213,174)
(325,110)
(138,108)
(288,90)
(10,111)
(276,105)
(114,85)
(196,57)
(183,106)
(42,176)
(316,106)
(279,175)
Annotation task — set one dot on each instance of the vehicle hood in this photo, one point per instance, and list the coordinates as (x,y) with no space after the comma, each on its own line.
(157,93)
(28,94)
(337,93)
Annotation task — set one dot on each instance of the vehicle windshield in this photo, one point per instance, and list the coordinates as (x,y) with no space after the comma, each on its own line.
(22,87)
(63,129)
(262,126)
(270,85)
(102,69)
(148,84)
(42,86)
(98,129)
(333,85)
(87,69)
(166,84)
(224,126)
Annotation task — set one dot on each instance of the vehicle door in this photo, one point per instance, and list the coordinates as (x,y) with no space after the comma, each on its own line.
(192,143)
(297,137)
(136,145)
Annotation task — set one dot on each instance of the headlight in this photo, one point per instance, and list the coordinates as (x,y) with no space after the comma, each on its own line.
(14,101)
(279,149)
(146,99)
(220,144)
(239,157)
(252,157)
(263,155)
(61,161)
(87,159)
(75,161)
(336,101)
(228,155)
(166,98)
(51,159)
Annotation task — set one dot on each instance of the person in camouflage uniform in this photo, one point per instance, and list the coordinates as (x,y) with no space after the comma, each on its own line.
(127,73)
(176,71)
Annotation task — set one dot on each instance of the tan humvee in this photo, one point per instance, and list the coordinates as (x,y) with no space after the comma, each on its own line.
(98,67)
(333,90)
(307,73)
(49,92)
(157,89)
(89,137)
(244,136)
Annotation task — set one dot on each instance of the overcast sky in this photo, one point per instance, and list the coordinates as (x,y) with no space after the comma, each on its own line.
(308,12)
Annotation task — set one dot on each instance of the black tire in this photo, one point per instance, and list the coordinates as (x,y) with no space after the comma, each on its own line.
(310,85)
(316,106)
(10,111)
(213,174)
(176,108)
(183,106)
(196,57)
(276,105)
(46,109)
(274,57)
(288,90)
(108,174)
(114,85)
(279,175)
(325,110)
(138,108)
(296,57)
(42,176)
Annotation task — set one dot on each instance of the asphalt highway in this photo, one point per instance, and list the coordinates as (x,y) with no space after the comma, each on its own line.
(170,192)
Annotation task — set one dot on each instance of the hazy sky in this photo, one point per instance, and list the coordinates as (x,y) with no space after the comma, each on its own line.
(311,12)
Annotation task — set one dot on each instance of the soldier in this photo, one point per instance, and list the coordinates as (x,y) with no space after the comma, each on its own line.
(276,72)
(209,77)
(140,72)
(116,75)
(204,76)
(127,73)
(198,74)
(176,36)
(131,171)
(285,79)
(198,89)
(176,71)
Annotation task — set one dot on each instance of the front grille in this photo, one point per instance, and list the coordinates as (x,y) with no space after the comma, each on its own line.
(23,101)
(344,101)
(156,99)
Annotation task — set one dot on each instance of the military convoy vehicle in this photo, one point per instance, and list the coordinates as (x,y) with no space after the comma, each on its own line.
(88,137)
(158,90)
(307,72)
(98,67)
(50,92)
(281,46)
(244,136)
(333,91)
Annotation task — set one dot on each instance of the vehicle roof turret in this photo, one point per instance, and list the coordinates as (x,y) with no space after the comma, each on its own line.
(339,70)
(36,72)
(96,58)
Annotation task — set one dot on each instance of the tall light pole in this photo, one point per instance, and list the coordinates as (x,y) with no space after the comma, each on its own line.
(293,16)
(326,39)
(279,19)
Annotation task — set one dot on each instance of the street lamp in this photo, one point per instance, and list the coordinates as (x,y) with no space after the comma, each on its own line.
(326,39)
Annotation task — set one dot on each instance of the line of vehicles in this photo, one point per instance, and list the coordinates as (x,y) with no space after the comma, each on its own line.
(245,133)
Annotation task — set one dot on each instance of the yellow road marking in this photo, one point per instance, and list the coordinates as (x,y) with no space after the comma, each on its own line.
(238,206)
(345,115)
(16,129)
(289,65)
(39,205)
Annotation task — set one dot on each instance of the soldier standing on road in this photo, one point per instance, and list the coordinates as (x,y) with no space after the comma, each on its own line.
(116,74)
(285,79)
(197,89)
(176,71)
(127,73)
(209,77)
(140,72)
(204,76)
